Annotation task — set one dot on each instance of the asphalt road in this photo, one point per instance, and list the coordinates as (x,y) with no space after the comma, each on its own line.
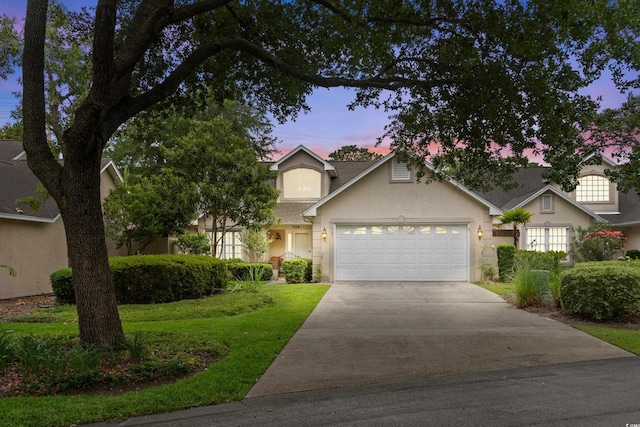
(592,393)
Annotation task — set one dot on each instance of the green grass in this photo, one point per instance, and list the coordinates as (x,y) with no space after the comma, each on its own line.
(253,329)
(626,339)
(499,288)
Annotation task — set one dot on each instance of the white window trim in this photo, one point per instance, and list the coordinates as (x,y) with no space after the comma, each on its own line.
(550,209)
(546,238)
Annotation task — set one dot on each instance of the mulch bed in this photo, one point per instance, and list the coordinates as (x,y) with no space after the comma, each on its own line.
(24,306)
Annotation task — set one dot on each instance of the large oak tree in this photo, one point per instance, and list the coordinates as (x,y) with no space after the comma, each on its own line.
(471,85)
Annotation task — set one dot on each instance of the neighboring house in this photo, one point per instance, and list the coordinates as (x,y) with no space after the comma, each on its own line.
(556,213)
(373,221)
(34,243)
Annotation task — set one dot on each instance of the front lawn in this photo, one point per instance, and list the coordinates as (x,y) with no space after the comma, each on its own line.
(252,330)
(499,288)
(626,339)
(624,336)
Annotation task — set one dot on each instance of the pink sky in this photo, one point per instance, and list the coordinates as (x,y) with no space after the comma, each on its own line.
(328,126)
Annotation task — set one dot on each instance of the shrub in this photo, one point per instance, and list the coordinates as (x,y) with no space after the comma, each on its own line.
(633,254)
(297,270)
(554,287)
(506,260)
(6,349)
(193,244)
(62,285)
(596,243)
(549,261)
(145,279)
(253,282)
(602,290)
(250,271)
(530,284)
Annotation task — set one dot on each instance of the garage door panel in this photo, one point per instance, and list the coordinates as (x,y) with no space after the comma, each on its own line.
(423,252)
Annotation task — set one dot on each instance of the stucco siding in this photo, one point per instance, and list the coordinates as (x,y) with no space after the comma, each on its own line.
(34,250)
(564,213)
(375,200)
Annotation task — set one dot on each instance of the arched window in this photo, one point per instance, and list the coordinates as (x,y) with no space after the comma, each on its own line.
(302,184)
(593,188)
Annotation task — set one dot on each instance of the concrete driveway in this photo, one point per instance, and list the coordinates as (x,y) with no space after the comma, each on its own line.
(373,333)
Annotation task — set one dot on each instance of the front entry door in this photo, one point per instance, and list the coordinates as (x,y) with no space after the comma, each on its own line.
(302,245)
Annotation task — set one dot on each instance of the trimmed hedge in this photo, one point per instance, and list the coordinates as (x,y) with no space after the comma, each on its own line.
(549,261)
(601,290)
(297,270)
(506,261)
(242,270)
(148,279)
(633,253)
(62,284)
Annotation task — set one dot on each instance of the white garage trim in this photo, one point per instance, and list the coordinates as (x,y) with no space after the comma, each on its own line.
(402,252)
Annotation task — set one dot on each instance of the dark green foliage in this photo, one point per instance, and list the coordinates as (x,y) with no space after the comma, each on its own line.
(145,279)
(506,260)
(148,279)
(62,285)
(633,254)
(6,349)
(297,270)
(541,260)
(53,365)
(601,290)
(245,270)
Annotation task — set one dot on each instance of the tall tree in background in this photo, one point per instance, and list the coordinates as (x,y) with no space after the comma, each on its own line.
(144,209)
(213,149)
(353,153)
(480,78)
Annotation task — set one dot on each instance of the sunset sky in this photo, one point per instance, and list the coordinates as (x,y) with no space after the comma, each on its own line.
(328,126)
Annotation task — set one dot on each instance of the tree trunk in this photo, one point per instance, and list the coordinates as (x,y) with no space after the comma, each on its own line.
(98,316)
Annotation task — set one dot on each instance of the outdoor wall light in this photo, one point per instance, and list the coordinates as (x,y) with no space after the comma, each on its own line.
(480,233)
(324,234)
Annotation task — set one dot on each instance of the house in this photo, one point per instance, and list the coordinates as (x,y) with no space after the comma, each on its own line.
(34,242)
(374,221)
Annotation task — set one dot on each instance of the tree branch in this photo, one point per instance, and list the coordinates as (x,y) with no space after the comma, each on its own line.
(103,42)
(39,156)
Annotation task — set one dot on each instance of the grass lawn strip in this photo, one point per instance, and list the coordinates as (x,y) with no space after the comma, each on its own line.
(254,339)
(626,339)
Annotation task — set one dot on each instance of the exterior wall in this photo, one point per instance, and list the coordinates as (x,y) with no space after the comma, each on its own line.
(34,250)
(564,214)
(302,160)
(633,236)
(285,244)
(37,249)
(376,200)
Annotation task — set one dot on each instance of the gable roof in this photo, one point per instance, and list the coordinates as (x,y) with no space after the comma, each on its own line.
(531,184)
(629,206)
(17,181)
(312,211)
(327,165)
(562,195)
(10,149)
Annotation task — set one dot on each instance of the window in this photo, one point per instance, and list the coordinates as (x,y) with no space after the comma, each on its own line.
(593,188)
(302,184)
(400,171)
(543,239)
(230,246)
(547,203)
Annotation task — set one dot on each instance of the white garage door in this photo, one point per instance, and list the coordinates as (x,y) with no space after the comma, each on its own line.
(421,252)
